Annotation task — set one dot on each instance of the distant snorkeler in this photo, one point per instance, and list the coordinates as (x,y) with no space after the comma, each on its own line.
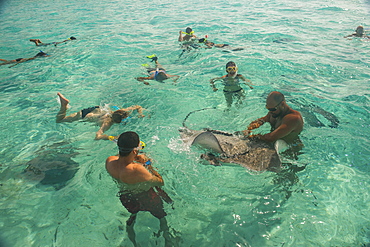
(189,35)
(158,73)
(359,32)
(104,118)
(188,41)
(38,42)
(21,60)
(209,45)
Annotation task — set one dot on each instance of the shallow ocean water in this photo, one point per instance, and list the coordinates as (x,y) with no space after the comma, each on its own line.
(55,191)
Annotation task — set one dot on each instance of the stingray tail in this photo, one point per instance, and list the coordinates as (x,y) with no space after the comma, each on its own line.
(187,116)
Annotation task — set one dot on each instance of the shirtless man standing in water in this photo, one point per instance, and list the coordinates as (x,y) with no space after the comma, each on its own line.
(139,184)
(104,118)
(286,123)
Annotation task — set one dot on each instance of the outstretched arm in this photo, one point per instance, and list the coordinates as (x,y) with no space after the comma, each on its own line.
(212,81)
(289,124)
(180,39)
(255,124)
(174,77)
(136,107)
(246,81)
(145,78)
(21,61)
(104,127)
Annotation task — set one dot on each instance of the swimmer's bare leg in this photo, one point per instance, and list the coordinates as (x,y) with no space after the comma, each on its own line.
(169,240)
(61,116)
(158,65)
(130,229)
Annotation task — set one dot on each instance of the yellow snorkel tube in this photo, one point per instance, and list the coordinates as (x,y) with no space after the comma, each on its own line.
(190,34)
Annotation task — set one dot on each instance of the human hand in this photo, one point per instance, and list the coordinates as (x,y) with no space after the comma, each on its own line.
(146,83)
(255,124)
(180,32)
(246,132)
(254,136)
(215,89)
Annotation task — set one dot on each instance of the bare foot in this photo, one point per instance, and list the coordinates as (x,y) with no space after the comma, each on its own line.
(63,100)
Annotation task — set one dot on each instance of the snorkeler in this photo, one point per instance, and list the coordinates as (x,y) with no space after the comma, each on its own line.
(103,117)
(139,184)
(189,35)
(359,32)
(39,42)
(209,45)
(158,73)
(232,88)
(188,41)
(21,60)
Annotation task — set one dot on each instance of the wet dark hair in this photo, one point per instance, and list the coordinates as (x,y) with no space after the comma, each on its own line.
(202,40)
(127,141)
(118,115)
(72,38)
(229,64)
(41,54)
(188,30)
(161,76)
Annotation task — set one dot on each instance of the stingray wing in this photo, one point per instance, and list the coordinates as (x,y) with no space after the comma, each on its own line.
(209,141)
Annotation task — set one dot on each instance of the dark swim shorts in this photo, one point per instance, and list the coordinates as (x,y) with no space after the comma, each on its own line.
(86,111)
(145,201)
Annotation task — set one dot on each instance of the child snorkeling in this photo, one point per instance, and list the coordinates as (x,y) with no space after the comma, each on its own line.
(232,88)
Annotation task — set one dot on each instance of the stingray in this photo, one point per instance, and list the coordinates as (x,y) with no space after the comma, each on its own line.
(307,111)
(53,166)
(224,147)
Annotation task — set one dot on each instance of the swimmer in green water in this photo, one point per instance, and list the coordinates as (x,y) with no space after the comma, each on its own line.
(208,44)
(359,32)
(231,81)
(103,117)
(38,42)
(21,60)
(157,73)
(139,184)
(189,35)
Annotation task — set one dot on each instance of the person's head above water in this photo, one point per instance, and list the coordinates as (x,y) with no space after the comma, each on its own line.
(359,30)
(231,67)
(127,142)
(189,31)
(72,38)
(118,115)
(275,102)
(41,54)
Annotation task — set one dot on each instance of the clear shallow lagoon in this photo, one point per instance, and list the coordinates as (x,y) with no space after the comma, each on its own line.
(296,47)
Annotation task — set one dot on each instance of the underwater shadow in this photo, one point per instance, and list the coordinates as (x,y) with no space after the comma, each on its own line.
(53,166)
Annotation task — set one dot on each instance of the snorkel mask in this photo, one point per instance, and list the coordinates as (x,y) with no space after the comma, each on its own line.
(190,34)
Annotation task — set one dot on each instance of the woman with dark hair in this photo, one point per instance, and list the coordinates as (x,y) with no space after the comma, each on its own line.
(103,117)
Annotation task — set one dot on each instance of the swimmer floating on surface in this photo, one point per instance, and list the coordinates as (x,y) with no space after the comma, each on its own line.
(208,44)
(104,118)
(158,73)
(38,42)
(359,32)
(21,60)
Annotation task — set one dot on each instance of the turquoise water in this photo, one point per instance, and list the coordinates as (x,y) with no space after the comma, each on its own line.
(296,47)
